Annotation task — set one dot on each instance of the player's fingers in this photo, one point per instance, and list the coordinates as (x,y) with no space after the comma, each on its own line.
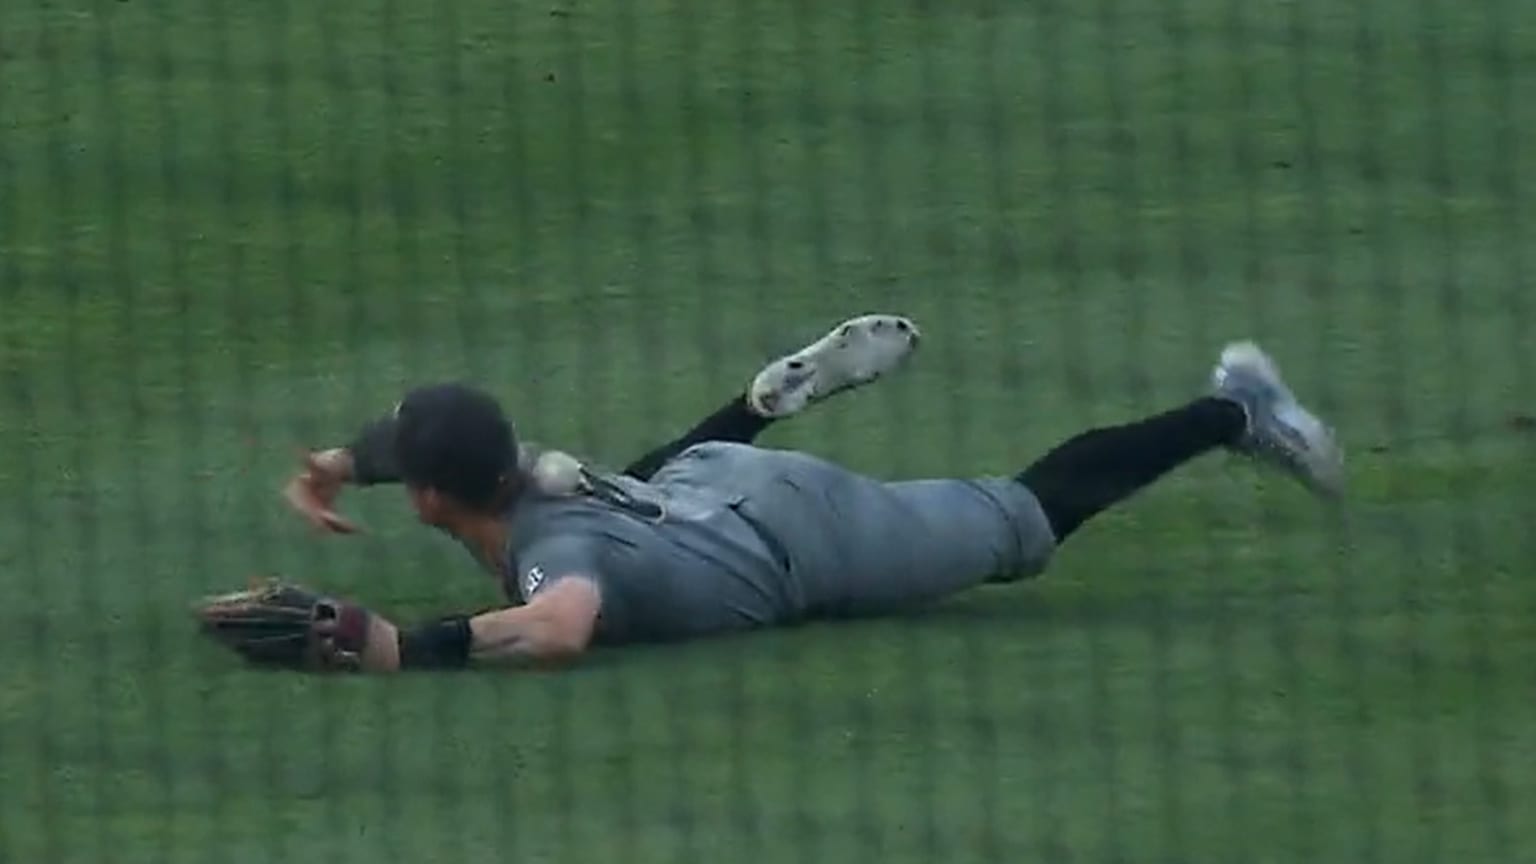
(324,653)
(301,498)
(336,522)
(305,496)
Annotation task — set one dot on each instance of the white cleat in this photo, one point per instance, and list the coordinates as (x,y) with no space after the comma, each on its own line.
(855,353)
(1281,431)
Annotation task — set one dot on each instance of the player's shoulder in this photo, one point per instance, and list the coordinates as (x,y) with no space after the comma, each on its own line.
(542,512)
(546,557)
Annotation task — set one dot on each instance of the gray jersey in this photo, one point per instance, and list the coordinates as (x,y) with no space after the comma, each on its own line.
(747,536)
(699,567)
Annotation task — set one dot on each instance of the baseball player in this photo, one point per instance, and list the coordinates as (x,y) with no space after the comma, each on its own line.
(727,536)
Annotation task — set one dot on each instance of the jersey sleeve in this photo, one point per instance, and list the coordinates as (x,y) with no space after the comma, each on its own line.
(552,560)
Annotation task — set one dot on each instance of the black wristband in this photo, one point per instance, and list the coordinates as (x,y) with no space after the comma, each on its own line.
(442,644)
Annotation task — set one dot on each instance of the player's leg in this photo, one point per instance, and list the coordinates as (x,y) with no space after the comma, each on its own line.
(1251,411)
(855,352)
(866,547)
(736,420)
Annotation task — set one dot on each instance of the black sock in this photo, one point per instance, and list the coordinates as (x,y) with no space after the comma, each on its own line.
(1093,471)
(735,421)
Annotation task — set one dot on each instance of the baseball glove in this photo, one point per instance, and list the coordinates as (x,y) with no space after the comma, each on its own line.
(276,624)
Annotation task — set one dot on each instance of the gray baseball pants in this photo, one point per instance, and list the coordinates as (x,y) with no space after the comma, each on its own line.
(852,545)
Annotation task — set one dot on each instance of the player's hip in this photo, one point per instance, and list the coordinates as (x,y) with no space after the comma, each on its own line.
(852,543)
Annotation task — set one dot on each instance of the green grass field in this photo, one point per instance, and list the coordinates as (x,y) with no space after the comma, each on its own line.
(230,230)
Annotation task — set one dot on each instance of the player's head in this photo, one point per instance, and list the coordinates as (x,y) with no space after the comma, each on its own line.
(457,452)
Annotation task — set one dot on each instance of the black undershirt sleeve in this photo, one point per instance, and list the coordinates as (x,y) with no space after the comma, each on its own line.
(373,453)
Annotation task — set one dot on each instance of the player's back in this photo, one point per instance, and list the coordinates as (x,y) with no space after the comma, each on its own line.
(676,559)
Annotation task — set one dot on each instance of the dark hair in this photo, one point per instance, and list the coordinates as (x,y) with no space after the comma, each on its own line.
(455,439)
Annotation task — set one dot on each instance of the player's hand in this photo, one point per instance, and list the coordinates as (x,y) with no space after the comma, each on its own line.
(284,625)
(376,649)
(314,490)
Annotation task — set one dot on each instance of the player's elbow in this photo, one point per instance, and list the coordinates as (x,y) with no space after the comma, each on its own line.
(529,635)
(553,628)
(564,619)
(558,642)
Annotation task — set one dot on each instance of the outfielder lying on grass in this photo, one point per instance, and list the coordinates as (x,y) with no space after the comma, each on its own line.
(726,536)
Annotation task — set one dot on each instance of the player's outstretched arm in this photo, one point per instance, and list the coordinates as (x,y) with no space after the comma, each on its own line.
(283,625)
(552,629)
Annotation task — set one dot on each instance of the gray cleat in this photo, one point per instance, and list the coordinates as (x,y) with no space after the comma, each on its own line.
(856,352)
(1281,432)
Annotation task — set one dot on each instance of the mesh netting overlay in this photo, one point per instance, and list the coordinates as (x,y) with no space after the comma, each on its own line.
(229,232)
